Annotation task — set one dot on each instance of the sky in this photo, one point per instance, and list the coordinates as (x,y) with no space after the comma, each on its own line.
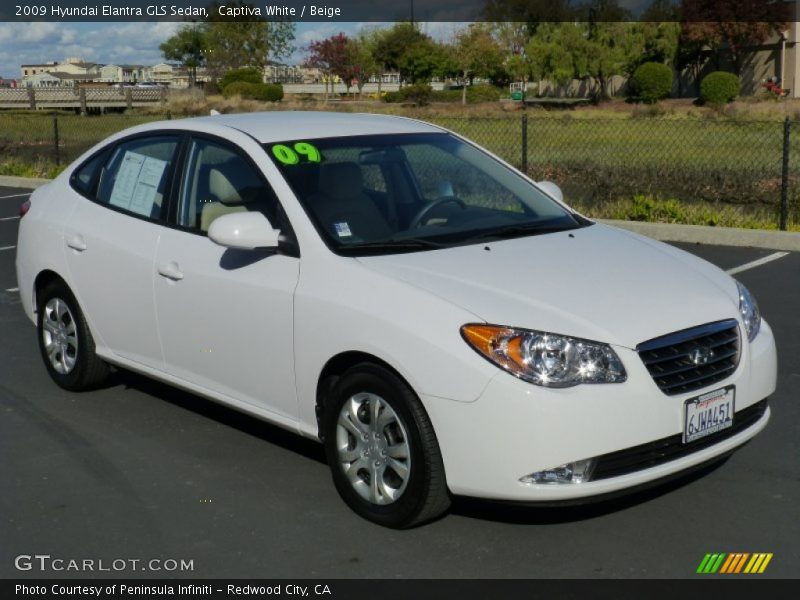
(132,43)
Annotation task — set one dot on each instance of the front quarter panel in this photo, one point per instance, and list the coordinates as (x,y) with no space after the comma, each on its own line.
(341,306)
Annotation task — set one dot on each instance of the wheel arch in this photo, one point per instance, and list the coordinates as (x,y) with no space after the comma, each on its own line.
(43,279)
(336,367)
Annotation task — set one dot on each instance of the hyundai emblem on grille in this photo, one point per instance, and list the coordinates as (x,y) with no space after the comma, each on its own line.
(701,355)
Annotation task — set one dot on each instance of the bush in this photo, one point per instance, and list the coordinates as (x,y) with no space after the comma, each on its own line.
(651,82)
(245,74)
(268,92)
(392,97)
(419,93)
(475,94)
(719,87)
(422,94)
(239,88)
(483,93)
(263,92)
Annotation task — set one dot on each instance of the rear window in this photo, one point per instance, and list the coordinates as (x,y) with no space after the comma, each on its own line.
(84,177)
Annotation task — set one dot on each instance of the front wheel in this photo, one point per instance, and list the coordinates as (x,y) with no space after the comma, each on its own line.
(382,449)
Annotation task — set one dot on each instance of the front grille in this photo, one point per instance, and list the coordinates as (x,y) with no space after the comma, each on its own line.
(664,450)
(694,358)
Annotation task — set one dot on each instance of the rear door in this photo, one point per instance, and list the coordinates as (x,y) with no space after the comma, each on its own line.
(111,240)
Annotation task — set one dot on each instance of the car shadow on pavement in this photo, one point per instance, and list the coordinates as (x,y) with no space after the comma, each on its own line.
(552,514)
(474,508)
(222,414)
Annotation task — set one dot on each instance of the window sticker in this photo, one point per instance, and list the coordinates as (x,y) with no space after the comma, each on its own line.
(136,184)
(292,156)
(342,229)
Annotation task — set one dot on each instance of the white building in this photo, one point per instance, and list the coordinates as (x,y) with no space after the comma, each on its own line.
(125,73)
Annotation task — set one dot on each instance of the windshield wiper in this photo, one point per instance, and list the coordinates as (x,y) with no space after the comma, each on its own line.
(395,244)
(510,231)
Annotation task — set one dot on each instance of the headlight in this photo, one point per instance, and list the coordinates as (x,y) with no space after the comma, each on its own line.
(750,313)
(545,358)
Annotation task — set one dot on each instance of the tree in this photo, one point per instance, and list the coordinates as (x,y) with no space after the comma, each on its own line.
(603,11)
(360,55)
(661,11)
(585,50)
(609,51)
(422,61)
(476,54)
(659,41)
(731,26)
(331,57)
(187,47)
(531,13)
(368,39)
(232,43)
(392,44)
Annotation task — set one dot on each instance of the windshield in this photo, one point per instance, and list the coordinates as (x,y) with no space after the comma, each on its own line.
(387,193)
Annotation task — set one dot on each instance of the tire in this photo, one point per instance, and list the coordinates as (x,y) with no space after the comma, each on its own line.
(399,455)
(65,342)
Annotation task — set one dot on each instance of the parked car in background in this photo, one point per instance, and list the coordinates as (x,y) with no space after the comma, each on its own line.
(440,322)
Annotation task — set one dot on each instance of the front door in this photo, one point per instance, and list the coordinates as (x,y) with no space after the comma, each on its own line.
(225,316)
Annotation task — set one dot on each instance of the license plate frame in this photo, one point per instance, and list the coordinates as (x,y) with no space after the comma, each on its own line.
(709,413)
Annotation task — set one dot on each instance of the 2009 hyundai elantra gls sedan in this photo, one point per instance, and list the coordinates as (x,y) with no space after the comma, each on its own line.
(443,324)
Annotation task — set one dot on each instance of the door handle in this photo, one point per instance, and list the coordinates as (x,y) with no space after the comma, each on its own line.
(170,271)
(76,242)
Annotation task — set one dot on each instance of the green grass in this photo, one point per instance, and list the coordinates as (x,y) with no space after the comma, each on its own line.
(654,210)
(29,136)
(698,144)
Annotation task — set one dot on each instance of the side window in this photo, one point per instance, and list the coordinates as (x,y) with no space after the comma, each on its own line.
(219,181)
(83,178)
(135,176)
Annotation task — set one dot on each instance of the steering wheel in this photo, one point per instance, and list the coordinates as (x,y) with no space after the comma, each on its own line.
(423,212)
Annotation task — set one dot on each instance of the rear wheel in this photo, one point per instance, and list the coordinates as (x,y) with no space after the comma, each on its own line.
(65,342)
(382,449)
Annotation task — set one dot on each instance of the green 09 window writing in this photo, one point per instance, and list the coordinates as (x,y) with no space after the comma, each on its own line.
(300,151)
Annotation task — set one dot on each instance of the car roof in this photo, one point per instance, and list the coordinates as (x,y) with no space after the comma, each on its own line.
(291,125)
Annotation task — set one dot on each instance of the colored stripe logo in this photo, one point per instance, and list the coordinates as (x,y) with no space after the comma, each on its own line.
(733,563)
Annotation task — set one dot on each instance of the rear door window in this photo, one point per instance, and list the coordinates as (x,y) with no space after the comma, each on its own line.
(136,175)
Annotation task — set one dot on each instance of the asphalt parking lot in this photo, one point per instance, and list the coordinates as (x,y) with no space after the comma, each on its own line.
(141,470)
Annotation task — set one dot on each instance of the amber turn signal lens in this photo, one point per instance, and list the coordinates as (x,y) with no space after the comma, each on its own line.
(499,344)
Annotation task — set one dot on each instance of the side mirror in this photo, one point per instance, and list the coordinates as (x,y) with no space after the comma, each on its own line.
(243,231)
(551,188)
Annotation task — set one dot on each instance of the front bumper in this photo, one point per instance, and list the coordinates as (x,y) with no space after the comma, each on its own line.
(516,428)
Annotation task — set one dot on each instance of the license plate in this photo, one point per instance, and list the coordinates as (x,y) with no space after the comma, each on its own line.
(709,413)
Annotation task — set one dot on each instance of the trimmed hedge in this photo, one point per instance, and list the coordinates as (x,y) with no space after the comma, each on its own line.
(264,92)
(651,82)
(420,94)
(475,94)
(246,74)
(719,87)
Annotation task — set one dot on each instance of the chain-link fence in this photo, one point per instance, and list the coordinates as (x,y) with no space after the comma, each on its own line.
(735,164)
(59,138)
(752,167)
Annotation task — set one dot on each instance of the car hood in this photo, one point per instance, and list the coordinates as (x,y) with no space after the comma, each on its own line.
(597,282)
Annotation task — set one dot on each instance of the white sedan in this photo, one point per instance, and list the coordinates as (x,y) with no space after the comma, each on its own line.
(443,324)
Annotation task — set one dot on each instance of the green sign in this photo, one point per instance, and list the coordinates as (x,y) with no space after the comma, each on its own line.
(300,151)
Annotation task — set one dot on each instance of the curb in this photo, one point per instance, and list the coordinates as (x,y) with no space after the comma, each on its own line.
(30,183)
(666,232)
(715,236)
